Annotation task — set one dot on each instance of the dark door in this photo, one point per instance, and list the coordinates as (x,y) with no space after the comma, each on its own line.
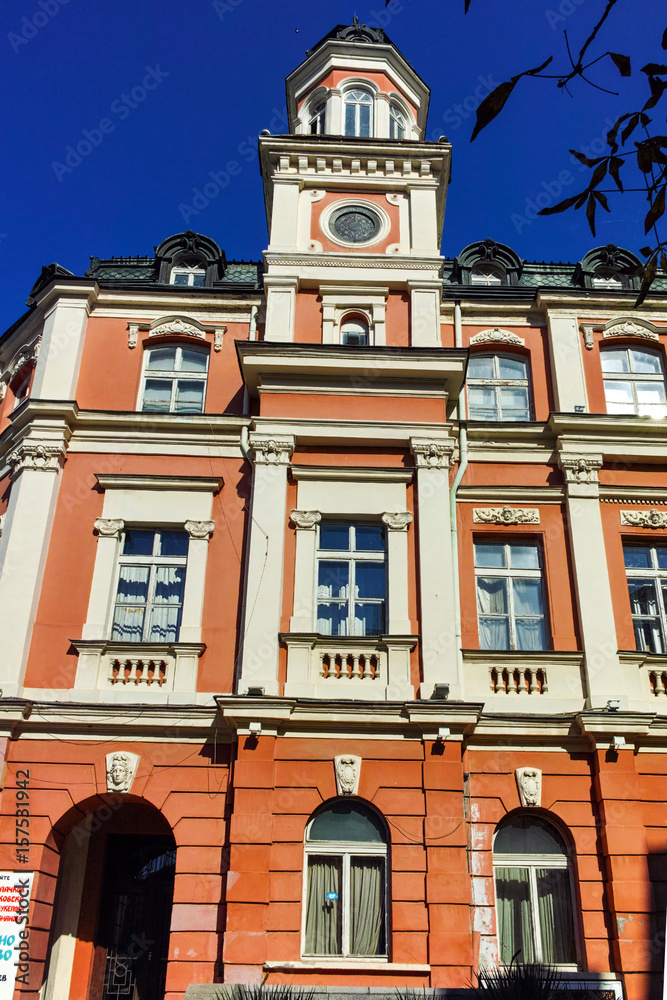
(133,926)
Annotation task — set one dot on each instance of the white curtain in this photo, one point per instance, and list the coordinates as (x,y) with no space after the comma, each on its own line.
(555,906)
(323,932)
(515,925)
(166,610)
(367,906)
(128,620)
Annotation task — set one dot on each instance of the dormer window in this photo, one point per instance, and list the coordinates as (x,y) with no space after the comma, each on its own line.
(358,113)
(354,332)
(397,123)
(317,120)
(607,277)
(487,274)
(190,277)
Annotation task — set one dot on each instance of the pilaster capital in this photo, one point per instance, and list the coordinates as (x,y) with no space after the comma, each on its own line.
(109,527)
(201,530)
(580,470)
(398,521)
(272,449)
(430,454)
(307,520)
(36,456)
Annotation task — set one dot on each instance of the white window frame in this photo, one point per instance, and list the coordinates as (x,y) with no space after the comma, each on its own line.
(606,277)
(191,272)
(355,320)
(352,557)
(317,116)
(533,862)
(349,99)
(341,302)
(345,850)
(657,576)
(509,574)
(633,379)
(488,275)
(397,122)
(153,562)
(497,383)
(174,376)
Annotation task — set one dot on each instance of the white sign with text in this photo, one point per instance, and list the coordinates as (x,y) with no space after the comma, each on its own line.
(14,933)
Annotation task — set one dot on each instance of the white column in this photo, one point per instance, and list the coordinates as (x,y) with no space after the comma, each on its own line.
(596,613)
(303,612)
(104,577)
(57,368)
(423,215)
(36,472)
(397,565)
(195,580)
(334,118)
(382,102)
(280,307)
(436,576)
(285,213)
(265,563)
(425,297)
(569,383)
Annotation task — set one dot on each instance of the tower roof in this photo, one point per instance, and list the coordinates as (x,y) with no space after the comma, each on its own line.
(354,32)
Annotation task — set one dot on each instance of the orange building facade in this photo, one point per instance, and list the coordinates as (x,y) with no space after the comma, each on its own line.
(333,591)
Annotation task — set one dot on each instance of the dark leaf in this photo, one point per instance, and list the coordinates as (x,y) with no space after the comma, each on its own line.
(622,63)
(615,164)
(590,213)
(467,5)
(657,89)
(560,207)
(585,160)
(650,269)
(581,199)
(611,135)
(643,158)
(646,251)
(654,69)
(598,174)
(644,119)
(656,209)
(602,198)
(492,105)
(629,128)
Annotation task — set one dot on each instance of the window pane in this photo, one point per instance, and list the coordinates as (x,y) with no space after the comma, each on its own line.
(530,634)
(324,906)
(157,396)
(368,619)
(614,361)
(619,397)
(348,822)
(643,599)
(139,543)
(555,915)
(132,584)
(515,921)
(180,279)
(514,403)
(174,543)
(494,633)
(128,623)
(369,538)
(491,595)
(370,580)
(335,537)
(661,553)
(645,361)
(332,619)
(189,397)
(527,597)
(480,366)
(364,119)
(367,896)
(131,596)
(489,554)
(483,403)
(512,367)
(333,579)
(198,279)
(162,359)
(648,635)
(528,835)
(164,623)
(637,556)
(193,360)
(169,584)
(524,557)
(349,119)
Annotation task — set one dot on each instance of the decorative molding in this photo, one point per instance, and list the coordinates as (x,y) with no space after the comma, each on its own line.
(432,454)
(200,529)
(175,325)
(272,449)
(316,194)
(218,334)
(200,484)
(36,457)
(398,521)
(620,327)
(314,246)
(348,769)
(328,473)
(580,468)
(366,261)
(305,519)
(587,329)
(393,198)
(644,518)
(25,355)
(132,335)
(121,770)
(498,336)
(630,329)
(393,248)
(529,784)
(107,527)
(506,515)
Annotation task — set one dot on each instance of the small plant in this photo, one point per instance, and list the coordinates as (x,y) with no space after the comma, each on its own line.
(517,982)
(247,991)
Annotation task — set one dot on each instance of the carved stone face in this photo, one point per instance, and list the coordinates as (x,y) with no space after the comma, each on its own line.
(119,772)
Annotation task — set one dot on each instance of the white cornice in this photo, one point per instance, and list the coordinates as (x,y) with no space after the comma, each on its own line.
(382,432)
(511,494)
(204,484)
(301,473)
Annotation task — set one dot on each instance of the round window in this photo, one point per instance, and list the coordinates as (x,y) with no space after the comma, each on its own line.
(355,224)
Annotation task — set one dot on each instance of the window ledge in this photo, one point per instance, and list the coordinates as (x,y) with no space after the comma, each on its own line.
(371,965)
(132,666)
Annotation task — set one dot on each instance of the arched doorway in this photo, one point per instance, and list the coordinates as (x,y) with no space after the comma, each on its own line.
(113,905)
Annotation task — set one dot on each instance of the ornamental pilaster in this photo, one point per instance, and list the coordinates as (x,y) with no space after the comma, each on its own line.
(581,474)
(36,457)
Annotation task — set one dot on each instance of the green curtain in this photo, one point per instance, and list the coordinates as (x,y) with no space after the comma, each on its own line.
(323,932)
(555,909)
(515,925)
(367,906)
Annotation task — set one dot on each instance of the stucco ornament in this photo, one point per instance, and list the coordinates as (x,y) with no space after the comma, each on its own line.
(269,450)
(121,768)
(432,454)
(498,336)
(305,519)
(580,468)
(176,325)
(644,518)
(348,769)
(200,529)
(629,329)
(529,784)
(41,457)
(506,515)
(108,527)
(398,521)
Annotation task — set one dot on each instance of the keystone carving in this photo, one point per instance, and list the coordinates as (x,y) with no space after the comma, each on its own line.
(178,326)
(529,784)
(272,450)
(200,529)
(629,329)
(580,469)
(432,454)
(121,769)
(348,769)
(107,527)
(305,519)
(40,457)
(398,521)
(497,336)
(644,518)
(506,515)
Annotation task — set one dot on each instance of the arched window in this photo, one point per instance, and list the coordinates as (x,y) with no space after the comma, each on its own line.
(498,387)
(358,113)
(174,380)
(533,893)
(191,276)
(397,122)
(487,274)
(634,381)
(317,120)
(354,331)
(346,882)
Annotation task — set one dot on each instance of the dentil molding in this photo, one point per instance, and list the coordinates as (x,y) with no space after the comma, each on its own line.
(506,515)
(644,518)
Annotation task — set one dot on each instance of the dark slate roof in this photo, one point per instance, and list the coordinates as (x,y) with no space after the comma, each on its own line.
(143,269)
(354,32)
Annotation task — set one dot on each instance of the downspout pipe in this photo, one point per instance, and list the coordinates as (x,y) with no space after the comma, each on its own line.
(460,473)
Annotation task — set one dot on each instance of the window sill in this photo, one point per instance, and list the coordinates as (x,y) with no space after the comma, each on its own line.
(370,965)
(105,665)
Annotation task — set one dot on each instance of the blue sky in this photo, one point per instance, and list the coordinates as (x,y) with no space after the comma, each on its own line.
(203,79)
